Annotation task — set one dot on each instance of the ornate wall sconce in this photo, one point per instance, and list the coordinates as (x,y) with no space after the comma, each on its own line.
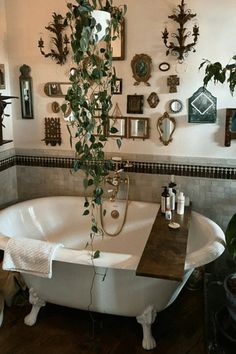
(181,49)
(60,41)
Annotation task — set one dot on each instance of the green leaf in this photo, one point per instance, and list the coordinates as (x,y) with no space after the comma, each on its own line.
(85,183)
(113,130)
(94,229)
(86,204)
(96,254)
(86,212)
(118,142)
(90,182)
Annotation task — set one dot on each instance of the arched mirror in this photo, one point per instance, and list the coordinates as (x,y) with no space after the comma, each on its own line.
(175,106)
(166,126)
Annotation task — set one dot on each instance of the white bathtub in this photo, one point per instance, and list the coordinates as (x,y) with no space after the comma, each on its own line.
(116,288)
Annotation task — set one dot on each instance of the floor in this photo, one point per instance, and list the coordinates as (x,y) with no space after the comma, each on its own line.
(178,330)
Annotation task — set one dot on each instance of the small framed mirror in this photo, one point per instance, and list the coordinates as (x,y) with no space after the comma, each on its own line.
(166,126)
(118,45)
(175,106)
(164,66)
(26,92)
(138,128)
(56,89)
(118,123)
(230,125)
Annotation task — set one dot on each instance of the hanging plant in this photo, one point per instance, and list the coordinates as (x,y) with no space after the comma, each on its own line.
(92,81)
(219,73)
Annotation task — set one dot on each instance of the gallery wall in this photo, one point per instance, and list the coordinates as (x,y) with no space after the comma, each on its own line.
(25,21)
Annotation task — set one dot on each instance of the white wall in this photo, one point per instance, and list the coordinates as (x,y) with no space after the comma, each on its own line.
(145,21)
(7,131)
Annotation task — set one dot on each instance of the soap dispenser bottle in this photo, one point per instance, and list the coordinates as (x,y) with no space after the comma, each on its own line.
(172,199)
(180,203)
(172,184)
(165,200)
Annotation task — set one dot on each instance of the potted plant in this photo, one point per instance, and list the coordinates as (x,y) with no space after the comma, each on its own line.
(92,83)
(230,280)
(219,73)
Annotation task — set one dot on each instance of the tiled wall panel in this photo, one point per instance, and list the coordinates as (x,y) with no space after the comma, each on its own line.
(210,185)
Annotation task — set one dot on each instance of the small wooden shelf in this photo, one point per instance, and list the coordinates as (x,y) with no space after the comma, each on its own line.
(2,142)
(165,251)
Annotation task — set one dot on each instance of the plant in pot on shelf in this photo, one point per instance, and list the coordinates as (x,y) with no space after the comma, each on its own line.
(220,73)
(94,24)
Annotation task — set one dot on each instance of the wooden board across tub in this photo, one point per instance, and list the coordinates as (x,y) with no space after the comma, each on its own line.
(165,251)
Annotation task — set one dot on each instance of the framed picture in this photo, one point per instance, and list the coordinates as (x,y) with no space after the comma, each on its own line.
(135,104)
(118,45)
(120,124)
(117,90)
(230,125)
(202,107)
(2,77)
(138,128)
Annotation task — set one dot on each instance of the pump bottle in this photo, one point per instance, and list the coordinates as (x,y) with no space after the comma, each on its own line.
(180,203)
(165,200)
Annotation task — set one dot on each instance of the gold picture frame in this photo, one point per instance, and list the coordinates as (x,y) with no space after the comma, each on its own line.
(141,65)
(138,128)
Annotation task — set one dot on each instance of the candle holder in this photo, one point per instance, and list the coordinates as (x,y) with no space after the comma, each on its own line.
(60,41)
(181,48)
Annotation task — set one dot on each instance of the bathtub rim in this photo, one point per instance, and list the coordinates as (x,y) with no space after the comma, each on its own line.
(207,254)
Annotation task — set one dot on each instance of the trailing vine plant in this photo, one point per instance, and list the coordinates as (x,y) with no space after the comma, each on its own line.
(92,81)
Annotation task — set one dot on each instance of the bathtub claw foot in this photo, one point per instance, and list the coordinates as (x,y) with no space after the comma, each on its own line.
(146,320)
(37,303)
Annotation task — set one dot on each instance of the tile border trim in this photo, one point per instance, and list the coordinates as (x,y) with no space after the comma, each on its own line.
(159,168)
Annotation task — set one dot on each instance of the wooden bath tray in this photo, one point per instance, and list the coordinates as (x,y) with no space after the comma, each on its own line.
(165,251)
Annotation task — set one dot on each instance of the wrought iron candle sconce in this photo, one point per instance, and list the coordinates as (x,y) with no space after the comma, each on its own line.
(60,41)
(181,48)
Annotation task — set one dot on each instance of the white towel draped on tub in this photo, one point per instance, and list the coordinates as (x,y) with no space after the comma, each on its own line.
(30,256)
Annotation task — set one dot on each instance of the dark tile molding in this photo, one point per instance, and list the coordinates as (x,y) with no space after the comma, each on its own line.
(164,168)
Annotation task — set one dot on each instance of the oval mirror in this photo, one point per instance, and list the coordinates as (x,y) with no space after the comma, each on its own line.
(166,126)
(164,66)
(175,106)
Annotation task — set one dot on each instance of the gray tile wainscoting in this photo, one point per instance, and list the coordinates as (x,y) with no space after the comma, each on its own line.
(209,183)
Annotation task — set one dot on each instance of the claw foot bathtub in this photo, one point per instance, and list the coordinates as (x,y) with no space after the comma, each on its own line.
(115,289)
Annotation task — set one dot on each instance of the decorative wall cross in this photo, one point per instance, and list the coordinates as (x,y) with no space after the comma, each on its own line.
(173,82)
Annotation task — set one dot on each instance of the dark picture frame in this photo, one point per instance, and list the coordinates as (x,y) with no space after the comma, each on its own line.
(135,104)
(117,90)
(230,125)
(2,77)
(202,107)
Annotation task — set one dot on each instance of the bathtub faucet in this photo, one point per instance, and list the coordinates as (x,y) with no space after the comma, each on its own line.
(115,180)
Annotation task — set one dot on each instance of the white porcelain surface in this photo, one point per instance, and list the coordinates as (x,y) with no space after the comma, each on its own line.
(60,219)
